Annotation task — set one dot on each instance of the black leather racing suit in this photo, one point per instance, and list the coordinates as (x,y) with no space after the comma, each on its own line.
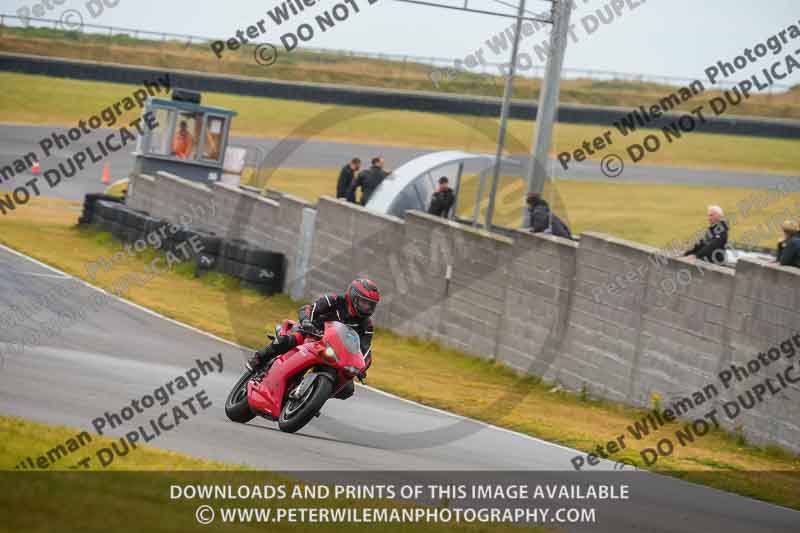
(330,307)
(334,307)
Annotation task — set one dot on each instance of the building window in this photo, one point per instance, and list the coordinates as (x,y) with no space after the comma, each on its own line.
(213,137)
(160,136)
(185,138)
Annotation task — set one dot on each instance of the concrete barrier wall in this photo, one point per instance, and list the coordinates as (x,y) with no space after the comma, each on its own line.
(764,312)
(169,197)
(538,304)
(142,192)
(608,316)
(350,241)
(474,308)
(419,267)
(603,327)
(229,212)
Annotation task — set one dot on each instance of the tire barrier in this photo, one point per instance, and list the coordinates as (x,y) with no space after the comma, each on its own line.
(260,269)
(90,204)
(256,268)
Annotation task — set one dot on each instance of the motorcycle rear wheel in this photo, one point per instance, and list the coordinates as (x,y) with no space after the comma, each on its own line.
(236,406)
(297,413)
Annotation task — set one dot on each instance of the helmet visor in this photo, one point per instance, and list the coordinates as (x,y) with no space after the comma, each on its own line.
(364,306)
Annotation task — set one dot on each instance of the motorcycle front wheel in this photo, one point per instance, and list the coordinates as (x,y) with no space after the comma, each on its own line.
(236,406)
(297,413)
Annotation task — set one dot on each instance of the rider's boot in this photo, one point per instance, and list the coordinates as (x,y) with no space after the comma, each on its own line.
(261,357)
(279,346)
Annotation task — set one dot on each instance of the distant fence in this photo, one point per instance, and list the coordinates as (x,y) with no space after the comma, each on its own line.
(322,54)
(371,97)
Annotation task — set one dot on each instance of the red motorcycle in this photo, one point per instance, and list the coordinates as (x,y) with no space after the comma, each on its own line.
(295,386)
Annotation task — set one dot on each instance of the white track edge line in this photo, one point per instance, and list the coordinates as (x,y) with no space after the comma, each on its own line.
(485,424)
(133,304)
(226,341)
(481,422)
(38,275)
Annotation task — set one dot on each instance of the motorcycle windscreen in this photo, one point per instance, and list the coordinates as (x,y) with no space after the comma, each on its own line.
(346,342)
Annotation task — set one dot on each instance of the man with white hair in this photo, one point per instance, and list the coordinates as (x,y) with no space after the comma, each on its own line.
(711,247)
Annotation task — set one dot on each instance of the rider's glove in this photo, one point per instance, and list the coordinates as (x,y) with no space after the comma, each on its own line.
(307,325)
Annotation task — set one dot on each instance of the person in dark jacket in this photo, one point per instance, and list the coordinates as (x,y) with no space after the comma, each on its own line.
(789,248)
(711,247)
(543,220)
(347,179)
(369,179)
(442,200)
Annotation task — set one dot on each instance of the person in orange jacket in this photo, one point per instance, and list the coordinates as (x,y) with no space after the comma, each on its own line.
(183,144)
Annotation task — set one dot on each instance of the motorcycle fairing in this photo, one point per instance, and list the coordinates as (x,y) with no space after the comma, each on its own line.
(267,396)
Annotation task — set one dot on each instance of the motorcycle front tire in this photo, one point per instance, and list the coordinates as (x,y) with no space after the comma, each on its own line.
(236,406)
(294,421)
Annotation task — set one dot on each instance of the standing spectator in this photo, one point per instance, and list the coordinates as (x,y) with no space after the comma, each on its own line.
(347,179)
(789,248)
(711,247)
(369,179)
(543,220)
(442,200)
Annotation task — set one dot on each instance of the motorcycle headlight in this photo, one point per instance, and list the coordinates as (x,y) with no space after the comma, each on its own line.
(330,354)
(351,370)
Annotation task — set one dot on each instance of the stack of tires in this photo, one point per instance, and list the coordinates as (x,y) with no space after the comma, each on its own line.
(207,243)
(90,206)
(105,215)
(129,225)
(208,258)
(122,222)
(258,269)
(153,229)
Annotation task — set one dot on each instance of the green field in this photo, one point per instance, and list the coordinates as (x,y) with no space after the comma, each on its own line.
(55,101)
(421,371)
(136,491)
(350,70)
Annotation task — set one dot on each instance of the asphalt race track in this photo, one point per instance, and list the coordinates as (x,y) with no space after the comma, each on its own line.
(17,140)
(120,352)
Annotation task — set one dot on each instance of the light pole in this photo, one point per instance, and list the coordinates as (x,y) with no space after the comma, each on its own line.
(548,98)
(501,134)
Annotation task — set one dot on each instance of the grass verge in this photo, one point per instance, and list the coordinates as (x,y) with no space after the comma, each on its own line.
(83,501)
(24,438)
(56,101)
(420,371)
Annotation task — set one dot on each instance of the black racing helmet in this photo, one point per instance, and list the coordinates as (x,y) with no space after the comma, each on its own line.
(362,297)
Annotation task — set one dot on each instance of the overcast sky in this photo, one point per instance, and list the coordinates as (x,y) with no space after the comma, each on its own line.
(677,38)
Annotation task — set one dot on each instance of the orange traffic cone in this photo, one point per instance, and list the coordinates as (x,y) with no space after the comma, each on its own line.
(36,169)
(106,174)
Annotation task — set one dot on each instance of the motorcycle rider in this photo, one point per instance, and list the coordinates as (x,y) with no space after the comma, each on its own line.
(353,309)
